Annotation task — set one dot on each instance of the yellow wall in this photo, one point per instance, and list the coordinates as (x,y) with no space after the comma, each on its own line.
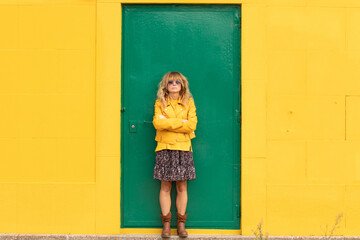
(60,125)
(47,129)
(301,109)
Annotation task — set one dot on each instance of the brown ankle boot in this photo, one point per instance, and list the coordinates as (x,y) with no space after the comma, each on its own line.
(166,231)
(181,219)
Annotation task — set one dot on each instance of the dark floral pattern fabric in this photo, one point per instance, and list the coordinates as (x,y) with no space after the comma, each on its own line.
(174,165)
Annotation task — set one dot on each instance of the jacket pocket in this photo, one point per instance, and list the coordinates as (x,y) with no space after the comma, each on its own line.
(182,137)
(158,138)
(168,137)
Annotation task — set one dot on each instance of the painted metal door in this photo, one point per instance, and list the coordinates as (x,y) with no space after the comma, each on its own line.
(203,43)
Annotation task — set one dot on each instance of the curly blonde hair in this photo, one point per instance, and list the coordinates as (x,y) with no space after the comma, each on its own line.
(163,93)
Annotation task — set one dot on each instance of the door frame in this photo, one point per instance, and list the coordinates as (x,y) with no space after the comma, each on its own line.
(123,124)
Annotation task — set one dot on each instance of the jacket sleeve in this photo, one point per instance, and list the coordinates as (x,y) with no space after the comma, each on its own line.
(165,123)
(190,125)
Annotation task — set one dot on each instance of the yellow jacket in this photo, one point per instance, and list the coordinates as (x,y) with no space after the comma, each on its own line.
(172,133)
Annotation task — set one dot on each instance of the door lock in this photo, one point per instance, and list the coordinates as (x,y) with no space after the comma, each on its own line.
(132,126)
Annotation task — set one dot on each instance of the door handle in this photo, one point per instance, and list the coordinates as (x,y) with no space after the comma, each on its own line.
(133,125)
(148,124)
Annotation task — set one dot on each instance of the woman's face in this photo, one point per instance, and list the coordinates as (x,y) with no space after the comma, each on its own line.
(174,86)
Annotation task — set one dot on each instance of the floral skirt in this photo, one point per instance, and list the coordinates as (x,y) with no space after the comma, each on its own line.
(174,165)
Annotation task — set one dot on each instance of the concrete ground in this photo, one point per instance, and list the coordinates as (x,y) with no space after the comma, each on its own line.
(157,236)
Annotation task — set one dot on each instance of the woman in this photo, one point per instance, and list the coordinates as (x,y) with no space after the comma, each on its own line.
(175,121)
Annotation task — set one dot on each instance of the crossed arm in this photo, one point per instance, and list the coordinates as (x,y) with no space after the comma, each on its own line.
(175,124)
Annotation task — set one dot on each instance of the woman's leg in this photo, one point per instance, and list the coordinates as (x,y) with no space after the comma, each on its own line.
(181,202)
(165,199)
(181,196)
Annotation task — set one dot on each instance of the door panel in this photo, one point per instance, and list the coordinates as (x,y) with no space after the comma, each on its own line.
(203,43)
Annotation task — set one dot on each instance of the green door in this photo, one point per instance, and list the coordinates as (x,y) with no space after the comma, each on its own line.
(203,43)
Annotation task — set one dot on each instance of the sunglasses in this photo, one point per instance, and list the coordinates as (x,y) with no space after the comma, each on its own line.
(178,82)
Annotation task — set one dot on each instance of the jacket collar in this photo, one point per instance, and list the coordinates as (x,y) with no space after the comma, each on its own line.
(179,101)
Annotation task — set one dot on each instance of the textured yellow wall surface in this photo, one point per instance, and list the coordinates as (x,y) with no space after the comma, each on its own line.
(301,109)
(60,127)
(47,129)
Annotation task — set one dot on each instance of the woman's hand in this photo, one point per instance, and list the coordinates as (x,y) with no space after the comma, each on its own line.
(185,120)
(161,116)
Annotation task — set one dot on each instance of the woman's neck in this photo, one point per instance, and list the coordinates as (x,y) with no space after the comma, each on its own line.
(174,96)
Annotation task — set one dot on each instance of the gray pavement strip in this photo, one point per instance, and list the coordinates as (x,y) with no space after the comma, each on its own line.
(157,236)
